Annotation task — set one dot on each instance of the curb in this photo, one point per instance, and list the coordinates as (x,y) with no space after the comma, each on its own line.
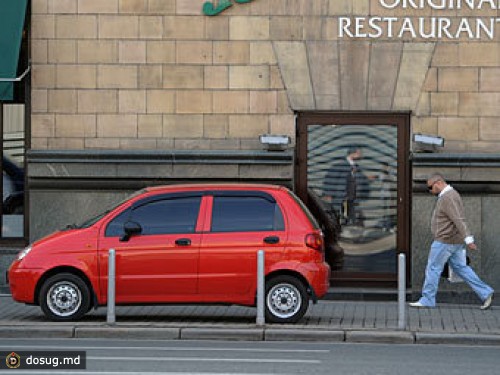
(457,338)
(303,335)
(381,337)
(136,333)
(249,334)
(37,332)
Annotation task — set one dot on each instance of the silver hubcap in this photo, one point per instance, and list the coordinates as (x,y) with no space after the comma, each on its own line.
(64,298)
(284,300)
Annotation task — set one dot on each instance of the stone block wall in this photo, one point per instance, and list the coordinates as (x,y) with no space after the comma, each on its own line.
(156,74)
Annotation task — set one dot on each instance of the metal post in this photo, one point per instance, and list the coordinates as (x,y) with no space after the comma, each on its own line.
(261,320)
(111,318)
(401,291)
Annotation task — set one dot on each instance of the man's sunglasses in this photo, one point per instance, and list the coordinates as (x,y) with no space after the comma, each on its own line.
(429,187)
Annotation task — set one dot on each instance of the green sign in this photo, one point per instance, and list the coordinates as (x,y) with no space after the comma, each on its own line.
(11,33)
(210,9)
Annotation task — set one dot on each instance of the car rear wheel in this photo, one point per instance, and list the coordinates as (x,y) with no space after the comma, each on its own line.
(64,297)
(286,300)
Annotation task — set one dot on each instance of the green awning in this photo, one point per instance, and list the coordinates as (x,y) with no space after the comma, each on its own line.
(12,16)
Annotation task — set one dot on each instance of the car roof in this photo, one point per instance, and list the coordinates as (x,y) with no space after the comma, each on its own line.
(212,186)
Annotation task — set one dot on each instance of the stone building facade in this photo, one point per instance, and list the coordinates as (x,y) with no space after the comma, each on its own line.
(126,93)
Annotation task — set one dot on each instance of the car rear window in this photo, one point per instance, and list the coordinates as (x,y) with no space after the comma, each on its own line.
(246,214)
(308,213)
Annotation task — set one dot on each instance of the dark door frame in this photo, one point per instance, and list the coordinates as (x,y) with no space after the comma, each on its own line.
(402,121)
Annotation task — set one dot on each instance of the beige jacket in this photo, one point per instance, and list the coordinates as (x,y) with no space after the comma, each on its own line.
(448,219)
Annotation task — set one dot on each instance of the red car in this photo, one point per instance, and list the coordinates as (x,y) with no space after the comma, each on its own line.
(181,244)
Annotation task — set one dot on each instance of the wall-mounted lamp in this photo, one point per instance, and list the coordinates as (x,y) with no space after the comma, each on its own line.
(274,142)
(427,143)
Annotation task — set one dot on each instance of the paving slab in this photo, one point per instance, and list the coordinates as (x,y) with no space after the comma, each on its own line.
(335,321)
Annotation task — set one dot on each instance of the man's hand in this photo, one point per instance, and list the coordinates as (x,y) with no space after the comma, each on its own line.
(472,246)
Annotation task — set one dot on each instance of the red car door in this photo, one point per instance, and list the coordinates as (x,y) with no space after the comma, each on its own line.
(159,264)
(241,223)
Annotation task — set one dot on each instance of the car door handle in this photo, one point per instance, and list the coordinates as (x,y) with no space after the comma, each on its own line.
(272,239)
(183,242)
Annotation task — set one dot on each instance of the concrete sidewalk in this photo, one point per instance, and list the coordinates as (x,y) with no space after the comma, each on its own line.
(349,321)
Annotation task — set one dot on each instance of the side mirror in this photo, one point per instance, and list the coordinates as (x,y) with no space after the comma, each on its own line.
(131,228)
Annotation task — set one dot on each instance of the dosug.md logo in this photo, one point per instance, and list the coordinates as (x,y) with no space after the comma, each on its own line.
(13,360)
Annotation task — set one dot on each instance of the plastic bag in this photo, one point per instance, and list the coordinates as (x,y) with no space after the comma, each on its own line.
(452,275)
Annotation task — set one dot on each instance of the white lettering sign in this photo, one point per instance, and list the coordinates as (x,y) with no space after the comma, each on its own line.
(425,27)
(440,4)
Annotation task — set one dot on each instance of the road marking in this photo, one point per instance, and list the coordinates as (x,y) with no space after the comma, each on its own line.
(51,372)
(200,359)
(151,348)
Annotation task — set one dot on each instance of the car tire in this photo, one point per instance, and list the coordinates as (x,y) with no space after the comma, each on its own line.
(286,300)
(65,297)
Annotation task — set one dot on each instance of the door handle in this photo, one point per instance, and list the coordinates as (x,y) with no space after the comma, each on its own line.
(183,242)
(272,240)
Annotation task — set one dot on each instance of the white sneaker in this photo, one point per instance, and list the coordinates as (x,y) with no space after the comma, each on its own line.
(487,302)
(416,304)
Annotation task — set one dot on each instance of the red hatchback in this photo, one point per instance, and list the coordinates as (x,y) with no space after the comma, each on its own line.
(181,244)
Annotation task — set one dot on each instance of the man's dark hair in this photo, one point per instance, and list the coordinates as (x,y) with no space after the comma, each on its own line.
(352,150)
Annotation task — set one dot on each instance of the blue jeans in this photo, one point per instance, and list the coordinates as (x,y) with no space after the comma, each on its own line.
(453,254)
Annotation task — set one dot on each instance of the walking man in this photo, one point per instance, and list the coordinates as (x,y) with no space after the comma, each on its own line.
(450,231)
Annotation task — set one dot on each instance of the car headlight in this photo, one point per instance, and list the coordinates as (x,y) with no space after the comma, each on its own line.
(23,253)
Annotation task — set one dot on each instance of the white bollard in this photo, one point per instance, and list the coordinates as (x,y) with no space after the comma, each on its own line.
(261,320)
(111,318)
(401,292)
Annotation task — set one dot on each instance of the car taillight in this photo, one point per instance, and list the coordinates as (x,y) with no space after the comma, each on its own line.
(315,241)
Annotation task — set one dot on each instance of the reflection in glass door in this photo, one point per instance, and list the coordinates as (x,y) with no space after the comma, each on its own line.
(353,169)
(353,172)
(12,135)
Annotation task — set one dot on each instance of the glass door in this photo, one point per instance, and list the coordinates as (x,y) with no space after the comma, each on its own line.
(353,172)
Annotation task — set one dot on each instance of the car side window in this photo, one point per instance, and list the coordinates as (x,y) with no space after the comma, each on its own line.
(246,214)
(166,216)
(115,226)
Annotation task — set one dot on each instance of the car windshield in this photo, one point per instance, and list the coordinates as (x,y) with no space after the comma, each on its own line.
(89,222)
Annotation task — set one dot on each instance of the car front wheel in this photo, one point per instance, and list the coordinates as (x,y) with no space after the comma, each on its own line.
(286,300)
(64,297)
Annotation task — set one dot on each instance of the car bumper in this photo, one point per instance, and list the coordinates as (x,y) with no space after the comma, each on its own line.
(22,283)
(319,280)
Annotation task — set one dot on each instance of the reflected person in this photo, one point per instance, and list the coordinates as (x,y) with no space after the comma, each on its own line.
(341,185)
(386,178)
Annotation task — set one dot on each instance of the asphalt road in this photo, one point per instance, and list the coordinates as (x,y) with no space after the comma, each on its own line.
(224,357)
